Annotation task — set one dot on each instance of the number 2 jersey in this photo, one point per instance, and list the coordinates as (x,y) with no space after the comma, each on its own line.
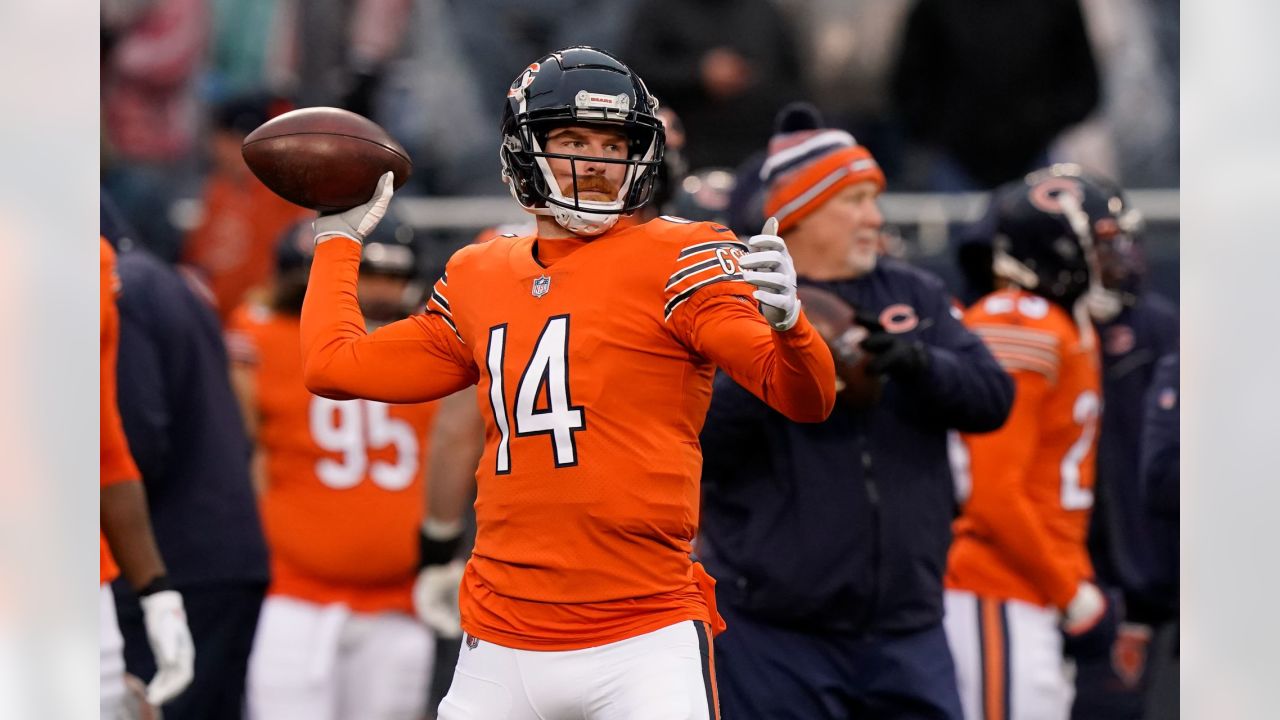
(1021,534)
(593,363)
(344,491)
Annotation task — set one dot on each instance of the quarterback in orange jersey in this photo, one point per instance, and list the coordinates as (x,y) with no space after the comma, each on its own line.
(1018,574)
(126,536)
(592,350)
(341,495)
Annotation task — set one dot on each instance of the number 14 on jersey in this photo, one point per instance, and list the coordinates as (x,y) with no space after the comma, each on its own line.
(545,377)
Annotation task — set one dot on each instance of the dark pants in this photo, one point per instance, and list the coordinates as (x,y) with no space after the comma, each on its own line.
(770,672)
(222,619)
(1105,691)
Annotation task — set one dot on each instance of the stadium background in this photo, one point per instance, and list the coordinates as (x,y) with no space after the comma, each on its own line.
(424,78)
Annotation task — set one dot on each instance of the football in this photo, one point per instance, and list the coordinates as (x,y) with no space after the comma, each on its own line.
(833,318)
(324,158)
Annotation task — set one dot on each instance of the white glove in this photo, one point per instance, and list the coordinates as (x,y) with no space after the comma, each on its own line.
(768,266)
(359,221)
(175,654)
(435,597)
(1085,609)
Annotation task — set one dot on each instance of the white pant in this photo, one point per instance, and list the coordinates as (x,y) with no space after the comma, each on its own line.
(1008,656)
(324,662)
(667,674)
(111,658)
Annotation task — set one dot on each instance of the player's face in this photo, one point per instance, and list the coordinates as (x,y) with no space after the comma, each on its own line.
(848,226)
(597,181)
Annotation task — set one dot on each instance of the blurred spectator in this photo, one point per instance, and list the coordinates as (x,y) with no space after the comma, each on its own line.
(727,65)
(183,427)
(1136,327)
(150,111)
(344,48)
(233,244)
(341,492)
(984,88)
(254,47)
(848,62)
(1134,135)
(829,540)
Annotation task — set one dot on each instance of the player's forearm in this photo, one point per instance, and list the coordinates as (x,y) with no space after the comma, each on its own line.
(400,363)
(457,441)
(792,371)
(127,527)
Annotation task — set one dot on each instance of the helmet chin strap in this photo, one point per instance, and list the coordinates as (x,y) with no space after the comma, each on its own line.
(583,223)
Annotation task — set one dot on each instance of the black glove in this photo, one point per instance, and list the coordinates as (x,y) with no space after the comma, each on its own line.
(893,354)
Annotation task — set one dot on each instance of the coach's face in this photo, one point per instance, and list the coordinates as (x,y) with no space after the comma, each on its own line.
(597,181)
(845,230)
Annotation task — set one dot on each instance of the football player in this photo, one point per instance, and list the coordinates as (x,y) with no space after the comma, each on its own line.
(1018,572)
(592,350)
(126,538)
(341,495)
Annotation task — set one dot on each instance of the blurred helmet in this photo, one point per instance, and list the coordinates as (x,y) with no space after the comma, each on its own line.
(704,196)
(1044,232)
(579,86)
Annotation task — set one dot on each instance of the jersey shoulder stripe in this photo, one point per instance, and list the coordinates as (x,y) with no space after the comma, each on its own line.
(699,265)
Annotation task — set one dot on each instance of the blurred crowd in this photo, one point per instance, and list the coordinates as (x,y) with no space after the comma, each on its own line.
(950,96)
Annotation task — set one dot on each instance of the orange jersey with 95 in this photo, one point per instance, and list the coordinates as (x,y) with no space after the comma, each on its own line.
(1021,534)
(344,495)
(593,363)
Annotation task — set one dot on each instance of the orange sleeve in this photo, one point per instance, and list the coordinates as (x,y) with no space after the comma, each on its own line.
(999,506)
(117,464)
(413,360)
(793,371)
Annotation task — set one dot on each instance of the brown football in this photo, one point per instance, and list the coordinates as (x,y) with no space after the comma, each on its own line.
(324,158)
(832,317)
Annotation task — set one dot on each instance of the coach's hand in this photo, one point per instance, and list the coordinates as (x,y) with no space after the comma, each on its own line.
(165,618)
(768,267)
(359,221)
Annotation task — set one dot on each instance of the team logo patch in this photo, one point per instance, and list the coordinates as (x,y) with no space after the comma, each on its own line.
(472,641)
(899,318)
(541,286)
(524,80)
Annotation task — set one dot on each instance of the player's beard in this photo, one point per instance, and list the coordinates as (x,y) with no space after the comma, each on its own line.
(591,183)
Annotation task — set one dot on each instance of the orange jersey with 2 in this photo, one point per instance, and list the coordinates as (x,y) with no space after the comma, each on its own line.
(1022,531)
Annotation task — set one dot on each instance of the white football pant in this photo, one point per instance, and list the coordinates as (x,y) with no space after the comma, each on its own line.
(325,662)
(667,674)
(111,658)
(1008,656)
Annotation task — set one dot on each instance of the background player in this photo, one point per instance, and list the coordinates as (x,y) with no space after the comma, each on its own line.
(127,539)
(593,350)
(341,495)
(1018,570)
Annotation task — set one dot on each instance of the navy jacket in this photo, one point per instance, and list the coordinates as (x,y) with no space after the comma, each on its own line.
(845,525)
(184,428)
(1121,540)
(1160,473)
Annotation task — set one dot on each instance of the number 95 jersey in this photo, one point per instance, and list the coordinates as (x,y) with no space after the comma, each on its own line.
(1021,534)
(344,491)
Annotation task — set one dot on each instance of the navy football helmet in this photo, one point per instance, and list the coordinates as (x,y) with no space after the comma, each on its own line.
(579,86)
(1047,229)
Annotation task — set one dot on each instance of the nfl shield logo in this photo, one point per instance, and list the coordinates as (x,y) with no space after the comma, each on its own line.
(541,286)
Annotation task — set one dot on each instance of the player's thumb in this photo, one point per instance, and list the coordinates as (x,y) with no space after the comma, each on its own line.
(770,227)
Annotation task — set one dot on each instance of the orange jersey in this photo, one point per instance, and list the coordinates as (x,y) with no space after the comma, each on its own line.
(593,365)
(1022,531)
(116,464)
(345,492)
